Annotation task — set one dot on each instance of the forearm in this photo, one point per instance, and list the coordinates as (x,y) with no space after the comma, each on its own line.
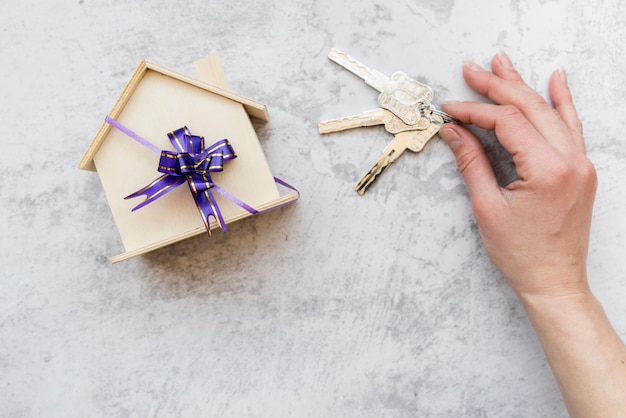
(586,355)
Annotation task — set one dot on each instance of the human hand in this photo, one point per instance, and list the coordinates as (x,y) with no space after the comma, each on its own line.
(536,229)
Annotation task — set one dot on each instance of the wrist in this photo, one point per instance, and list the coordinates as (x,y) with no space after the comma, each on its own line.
(552,283)
(557,295)
(560,305)
(573,325)
(565,305)
(583,351)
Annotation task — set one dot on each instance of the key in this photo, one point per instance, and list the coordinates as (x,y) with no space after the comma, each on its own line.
(393,124)
(399,94)
(411,140)
(371,77)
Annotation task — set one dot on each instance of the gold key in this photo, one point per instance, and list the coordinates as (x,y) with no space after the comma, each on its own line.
(399,94)
(412,140)
(393,124)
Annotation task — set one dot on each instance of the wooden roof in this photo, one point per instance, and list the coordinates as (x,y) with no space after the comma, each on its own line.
(252,107)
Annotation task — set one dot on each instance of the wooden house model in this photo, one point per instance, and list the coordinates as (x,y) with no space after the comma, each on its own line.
(157,101)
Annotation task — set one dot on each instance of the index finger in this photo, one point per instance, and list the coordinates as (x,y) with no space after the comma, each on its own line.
(512,129)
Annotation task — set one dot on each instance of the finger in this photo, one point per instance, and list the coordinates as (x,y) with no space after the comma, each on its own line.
(502,66)
(513,91)
(513,130)
(473,164)
(564,104)
(503,86)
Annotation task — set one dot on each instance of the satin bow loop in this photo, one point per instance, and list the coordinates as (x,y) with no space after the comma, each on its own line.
(192,163)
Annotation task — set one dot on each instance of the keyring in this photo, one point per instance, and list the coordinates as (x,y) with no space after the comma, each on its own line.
(446,118)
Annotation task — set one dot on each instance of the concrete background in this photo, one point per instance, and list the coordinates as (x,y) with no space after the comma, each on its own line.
(338,306)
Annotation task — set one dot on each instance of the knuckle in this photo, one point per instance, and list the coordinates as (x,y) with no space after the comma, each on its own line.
(509,112)
(561,172)
(534,101)
(577,126)
(573,123)
(559,177)
(588,173)
(511,119)
(569,176)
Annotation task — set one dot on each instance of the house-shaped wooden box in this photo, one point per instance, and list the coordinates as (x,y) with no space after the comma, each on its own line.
(157,101)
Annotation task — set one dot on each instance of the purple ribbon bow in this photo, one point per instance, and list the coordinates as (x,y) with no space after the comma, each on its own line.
(192,164)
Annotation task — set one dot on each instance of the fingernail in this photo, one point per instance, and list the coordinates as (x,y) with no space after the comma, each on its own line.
(505,61)
(562,75)
(471,65)
(447,104)
(450,137)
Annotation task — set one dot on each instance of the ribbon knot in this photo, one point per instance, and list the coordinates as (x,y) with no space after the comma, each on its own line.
(192,163)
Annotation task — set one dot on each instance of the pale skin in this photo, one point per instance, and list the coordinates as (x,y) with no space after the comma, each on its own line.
(536,229)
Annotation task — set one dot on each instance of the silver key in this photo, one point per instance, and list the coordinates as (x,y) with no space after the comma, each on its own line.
(371,77)
(411,140)
(399,94)
(393,124)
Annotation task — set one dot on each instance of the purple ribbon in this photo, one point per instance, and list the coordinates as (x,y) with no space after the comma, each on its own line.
(192,163)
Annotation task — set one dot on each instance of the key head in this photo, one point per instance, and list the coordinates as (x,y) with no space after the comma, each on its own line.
(421,137)
(395,125)
(392,123)
(403,96)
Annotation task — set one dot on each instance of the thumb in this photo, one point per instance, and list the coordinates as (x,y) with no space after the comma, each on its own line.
(472,162)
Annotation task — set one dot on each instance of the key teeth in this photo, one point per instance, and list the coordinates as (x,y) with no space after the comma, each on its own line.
(368,180)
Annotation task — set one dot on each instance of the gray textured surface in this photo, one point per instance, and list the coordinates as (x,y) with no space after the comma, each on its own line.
(375,306)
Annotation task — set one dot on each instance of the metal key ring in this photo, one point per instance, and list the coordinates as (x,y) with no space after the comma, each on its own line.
(446,117)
